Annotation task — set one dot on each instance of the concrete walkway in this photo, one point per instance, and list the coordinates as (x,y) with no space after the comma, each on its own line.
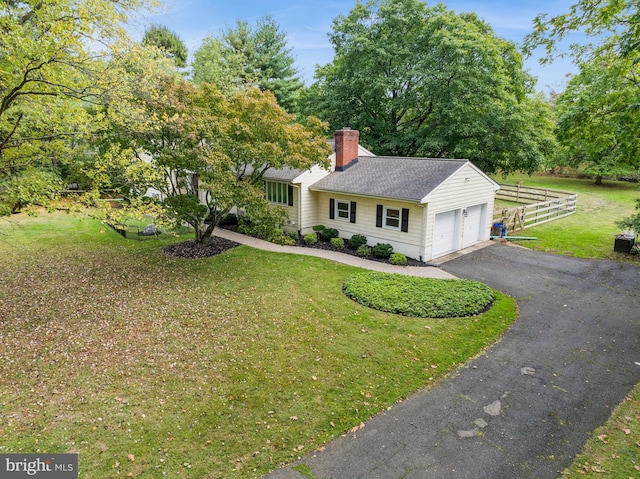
(422,271)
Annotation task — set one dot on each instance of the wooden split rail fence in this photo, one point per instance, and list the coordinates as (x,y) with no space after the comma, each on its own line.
(536,206)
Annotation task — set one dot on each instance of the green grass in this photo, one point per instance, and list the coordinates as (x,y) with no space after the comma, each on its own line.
(226,367)
(418,297)
(590,232)
(613,450)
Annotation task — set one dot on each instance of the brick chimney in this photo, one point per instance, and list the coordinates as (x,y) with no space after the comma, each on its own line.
(346,147)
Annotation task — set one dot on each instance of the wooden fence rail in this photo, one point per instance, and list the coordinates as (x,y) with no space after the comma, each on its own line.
(540,206)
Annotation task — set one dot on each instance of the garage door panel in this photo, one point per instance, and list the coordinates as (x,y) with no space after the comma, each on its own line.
(445,233)
(474,223)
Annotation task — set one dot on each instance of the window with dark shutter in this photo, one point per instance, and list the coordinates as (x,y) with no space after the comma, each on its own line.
(352,212)
(290,194)
(405,220)
(332,209)
(379,210)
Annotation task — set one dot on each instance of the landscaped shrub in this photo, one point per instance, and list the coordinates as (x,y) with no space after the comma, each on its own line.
(318,227)
(328,233)
(398,259)
(337,243)
(281,238)
(356,241)
(419,297)
(364,251)
(293,235)
(310,239)
(382,250)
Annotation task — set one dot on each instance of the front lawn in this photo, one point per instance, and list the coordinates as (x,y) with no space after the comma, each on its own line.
(223,367)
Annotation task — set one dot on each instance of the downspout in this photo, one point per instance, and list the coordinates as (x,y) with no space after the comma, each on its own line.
(423,232)
(299,187)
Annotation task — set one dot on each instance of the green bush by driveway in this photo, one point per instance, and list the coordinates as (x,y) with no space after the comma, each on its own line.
(419,297)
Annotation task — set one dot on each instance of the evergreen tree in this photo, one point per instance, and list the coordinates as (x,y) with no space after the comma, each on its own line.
(169,42)
(245,56)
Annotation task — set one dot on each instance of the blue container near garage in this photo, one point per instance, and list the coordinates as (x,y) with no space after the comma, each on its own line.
(499,229)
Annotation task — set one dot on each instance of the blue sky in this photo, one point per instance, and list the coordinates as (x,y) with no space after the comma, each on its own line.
(308,22)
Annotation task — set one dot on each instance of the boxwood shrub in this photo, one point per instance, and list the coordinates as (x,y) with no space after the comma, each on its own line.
(328,233)
(363,251)
(310,238)
(337,243)
(398,259)
(419,297)
(356,241)
(382,250)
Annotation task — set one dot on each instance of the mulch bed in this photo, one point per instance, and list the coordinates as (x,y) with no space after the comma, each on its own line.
(217,245)
(191,250)
(353,252)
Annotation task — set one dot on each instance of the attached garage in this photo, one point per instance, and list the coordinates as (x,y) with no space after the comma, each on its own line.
(458,229)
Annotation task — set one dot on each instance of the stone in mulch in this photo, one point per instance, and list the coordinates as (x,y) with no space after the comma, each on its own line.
(191,250)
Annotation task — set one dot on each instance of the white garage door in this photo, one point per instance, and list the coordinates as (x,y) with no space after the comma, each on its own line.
(445,233)
(474,224)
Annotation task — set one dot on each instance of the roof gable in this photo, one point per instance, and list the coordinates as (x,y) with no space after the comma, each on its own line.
(409,179)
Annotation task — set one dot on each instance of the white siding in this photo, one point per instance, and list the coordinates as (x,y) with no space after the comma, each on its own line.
(408,243)
(465,188)
(308,208)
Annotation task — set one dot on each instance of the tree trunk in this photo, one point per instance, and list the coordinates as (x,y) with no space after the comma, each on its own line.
(599,180)
(203,233)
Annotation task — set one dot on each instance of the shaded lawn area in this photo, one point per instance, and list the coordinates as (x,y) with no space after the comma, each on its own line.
(222,367)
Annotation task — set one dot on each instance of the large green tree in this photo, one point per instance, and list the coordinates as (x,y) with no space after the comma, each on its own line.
(598,113)
(248,56)
(599,118)
(212,151)
(168,41)
(419,80)
(53,65)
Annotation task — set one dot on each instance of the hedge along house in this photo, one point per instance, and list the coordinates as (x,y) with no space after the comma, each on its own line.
(425,208)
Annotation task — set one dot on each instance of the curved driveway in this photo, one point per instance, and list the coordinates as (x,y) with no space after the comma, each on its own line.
(525,407)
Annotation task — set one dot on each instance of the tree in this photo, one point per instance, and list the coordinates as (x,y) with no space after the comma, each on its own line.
(598,113)
(213,151)
(426,81)
(599,117)
(49,75)
(613,24)
(168,41)
(246,57)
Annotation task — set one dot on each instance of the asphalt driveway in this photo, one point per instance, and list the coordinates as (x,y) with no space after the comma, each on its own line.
(524,408)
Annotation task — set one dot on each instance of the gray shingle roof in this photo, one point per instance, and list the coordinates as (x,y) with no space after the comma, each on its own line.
(390,177)
(282,174)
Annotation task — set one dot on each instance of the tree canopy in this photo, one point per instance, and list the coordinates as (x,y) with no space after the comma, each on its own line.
(212,151)
(599,112)
(55,61)
(168,41)
(425,81)
(249,56)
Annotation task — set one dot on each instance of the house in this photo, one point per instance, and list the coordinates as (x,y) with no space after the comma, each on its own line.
(424,207)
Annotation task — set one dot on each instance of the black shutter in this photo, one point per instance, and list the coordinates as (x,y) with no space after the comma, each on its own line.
(379,216)
(405,220)
(352,212)
(332,209)
(290,194)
